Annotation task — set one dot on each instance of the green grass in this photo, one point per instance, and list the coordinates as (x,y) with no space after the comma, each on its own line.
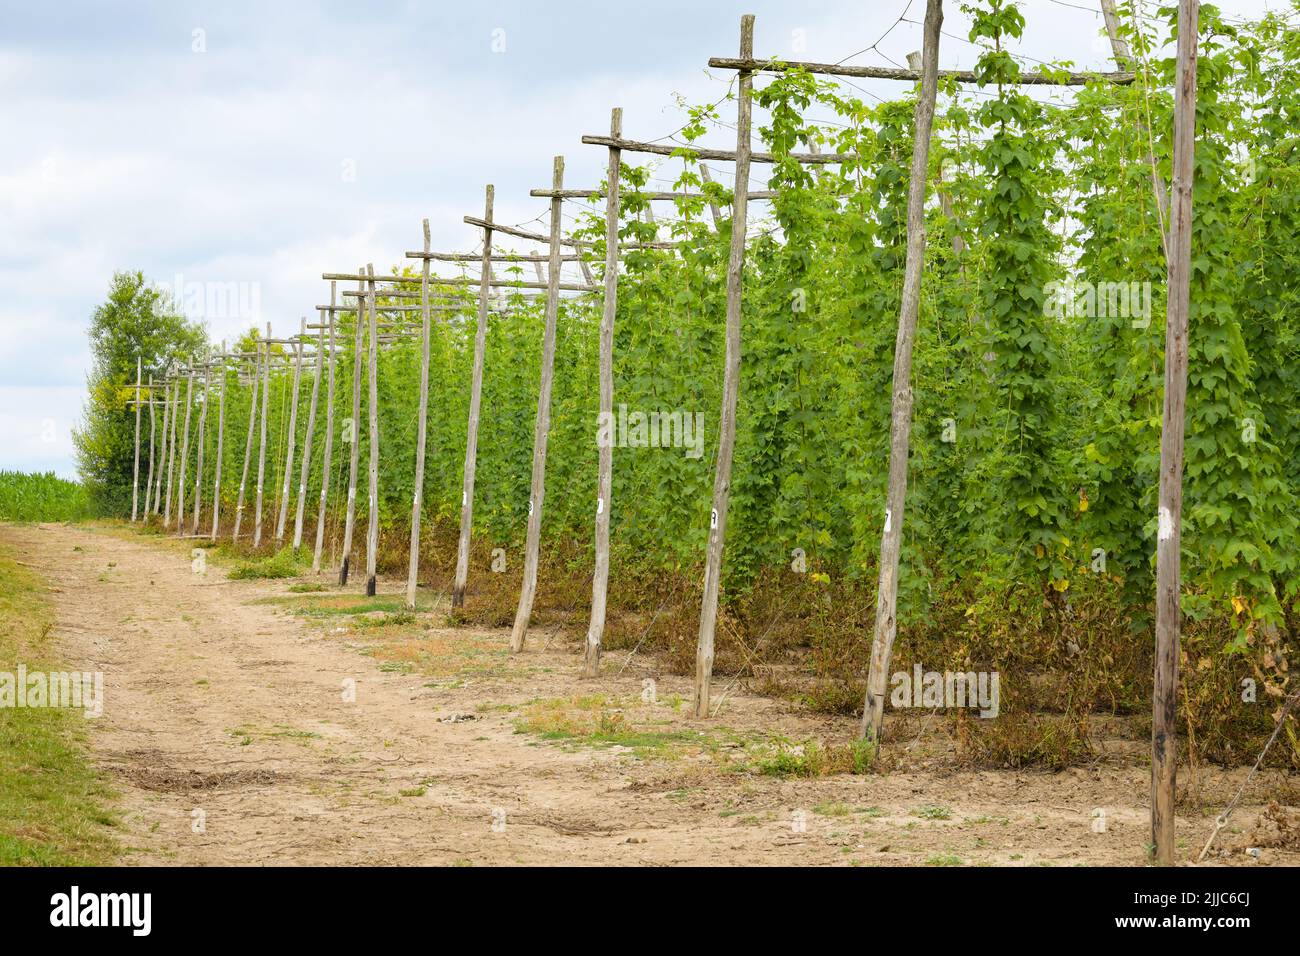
(285,563)
(42,497)
(54,809)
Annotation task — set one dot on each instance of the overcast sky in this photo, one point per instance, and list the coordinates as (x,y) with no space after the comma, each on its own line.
(265,143)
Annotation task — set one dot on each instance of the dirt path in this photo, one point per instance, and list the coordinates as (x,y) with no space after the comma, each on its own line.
(227,732)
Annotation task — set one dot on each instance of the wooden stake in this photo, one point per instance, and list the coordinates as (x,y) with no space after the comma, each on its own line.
(329,446)
(900,427)
(282,517)
(542,426)
(148,482)
(261,444)
(248,442)
(171,454)
(135,472)
(714,209)
(730,383)
(417,501)
(475,397)
(354,459)
(202,442)
(304,473)
(185,455)
(1164,729)
(605,453)
(221,444)
(372,531)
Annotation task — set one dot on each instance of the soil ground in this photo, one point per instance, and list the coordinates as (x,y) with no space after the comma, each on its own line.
(230,739)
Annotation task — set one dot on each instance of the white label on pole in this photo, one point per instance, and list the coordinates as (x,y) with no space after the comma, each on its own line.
(530,507)
(600,505)
(713,518)
(302,490)
(889,520)
(352,494)
(1166,524)
(464,499)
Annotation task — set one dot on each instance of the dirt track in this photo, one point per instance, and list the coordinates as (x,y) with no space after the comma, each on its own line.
(227,734)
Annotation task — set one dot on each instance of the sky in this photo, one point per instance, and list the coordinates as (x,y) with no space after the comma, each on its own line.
(246,147)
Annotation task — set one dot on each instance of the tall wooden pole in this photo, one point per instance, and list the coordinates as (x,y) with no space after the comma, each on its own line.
(1164,730)
(372,515)
(304,473)
(248,442)
(202,440)
(417,500)
(221,444)
(475,397)
(282,517)
(261,446)
(185,454)
(171,453)
(730,381)
(542,427)
(354,460)
(148,482)
(329,445)
(135,472)
(605,453)
(900,426)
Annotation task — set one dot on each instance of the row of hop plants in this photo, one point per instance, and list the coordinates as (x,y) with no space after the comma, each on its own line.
(1035,448)
(42,497)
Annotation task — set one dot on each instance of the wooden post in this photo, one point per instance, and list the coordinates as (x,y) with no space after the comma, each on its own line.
(185,454)
(135,472)
(248,442)
(714,209)
(304,473)
(221,444)
(164,501)
(354,460)
(605,453)
(730,382)
(900,426)
(261,445)
(148,482)
(171,453)
(542,427)
(417,500)
(475,397)
(372,516)
(202,440)
(282,517)
(329,445)
(1164,729)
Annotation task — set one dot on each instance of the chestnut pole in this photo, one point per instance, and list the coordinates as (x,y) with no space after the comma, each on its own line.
(730,382)
(417,500)
(283,514)
(354,459)
(1164,730)
(900,428)
(201,441)
(171,453)
(156,506)
(329,445)
(542,426)
(304,473)
(248,442)
(221,445)
(148,482)
(372,514)
(605,451)
(261,445)
(135,471)
(185,455)
(475,399)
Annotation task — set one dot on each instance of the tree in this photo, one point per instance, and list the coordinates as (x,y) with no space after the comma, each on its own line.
(136,320)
